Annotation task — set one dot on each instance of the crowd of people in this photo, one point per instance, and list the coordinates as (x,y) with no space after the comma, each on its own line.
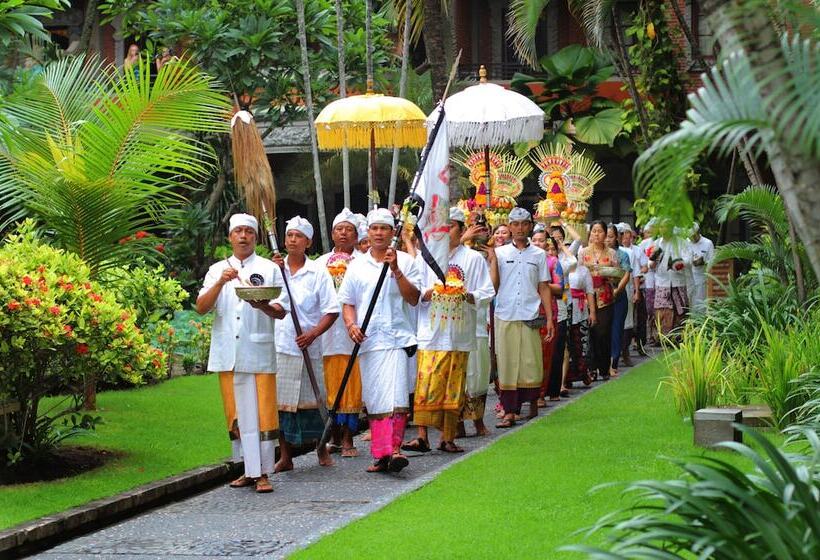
(526,310)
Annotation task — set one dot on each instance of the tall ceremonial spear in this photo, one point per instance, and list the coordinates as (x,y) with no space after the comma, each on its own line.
(254,179)
(408,202)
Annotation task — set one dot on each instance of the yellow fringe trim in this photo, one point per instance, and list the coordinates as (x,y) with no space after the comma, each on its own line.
(357,136)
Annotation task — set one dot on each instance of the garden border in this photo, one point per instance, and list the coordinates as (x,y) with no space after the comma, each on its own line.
(47,531)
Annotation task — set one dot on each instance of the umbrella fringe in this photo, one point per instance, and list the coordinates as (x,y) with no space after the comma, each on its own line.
(354,136)
(478,134)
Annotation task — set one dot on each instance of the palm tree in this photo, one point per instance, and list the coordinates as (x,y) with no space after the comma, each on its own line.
(764,88)
(314,148)
(771,247)
(95,154)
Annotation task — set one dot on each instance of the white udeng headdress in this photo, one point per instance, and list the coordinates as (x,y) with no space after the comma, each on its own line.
(301,225)
(238,220)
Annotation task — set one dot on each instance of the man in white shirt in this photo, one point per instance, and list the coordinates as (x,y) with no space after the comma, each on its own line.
(633,290)
(336,344)
(672,256)
(446,336)
(647,247)
(390,336)
(315,304)
(521,278)
(703,251)
(243,352)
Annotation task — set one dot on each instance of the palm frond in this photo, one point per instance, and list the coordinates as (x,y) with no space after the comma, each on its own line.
(595,17)
(59,99)
(523,17)
(726,110)
(759,205)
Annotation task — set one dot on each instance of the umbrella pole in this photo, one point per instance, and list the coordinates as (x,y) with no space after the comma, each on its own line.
(487,180)
(379,283)
(374,199)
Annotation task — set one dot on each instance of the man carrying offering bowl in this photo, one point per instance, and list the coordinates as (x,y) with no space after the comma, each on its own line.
(243,351)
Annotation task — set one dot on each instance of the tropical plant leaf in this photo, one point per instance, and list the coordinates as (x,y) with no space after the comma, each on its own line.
(600,128)
(523,17)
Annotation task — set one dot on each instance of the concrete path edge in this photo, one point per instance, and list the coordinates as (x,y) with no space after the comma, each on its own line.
(47,531)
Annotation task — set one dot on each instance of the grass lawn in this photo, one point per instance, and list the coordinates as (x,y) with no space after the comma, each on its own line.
(525,495)
(163,430)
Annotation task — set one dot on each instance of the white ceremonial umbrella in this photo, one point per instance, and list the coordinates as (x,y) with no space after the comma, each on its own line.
(487,115)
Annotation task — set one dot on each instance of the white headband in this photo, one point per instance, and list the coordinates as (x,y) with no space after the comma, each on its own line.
(380,216)
(346,216)
(457,214)
(519,215)
(238,220)
(301,225)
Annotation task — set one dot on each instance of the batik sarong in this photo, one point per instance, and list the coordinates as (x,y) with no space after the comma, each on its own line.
(440,385)
(299,417)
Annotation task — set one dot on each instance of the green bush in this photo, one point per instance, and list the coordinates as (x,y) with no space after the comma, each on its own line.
(152,294)
(58,329)
(718,511)
(696,367)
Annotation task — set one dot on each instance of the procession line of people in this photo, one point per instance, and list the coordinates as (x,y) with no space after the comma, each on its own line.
(547,313)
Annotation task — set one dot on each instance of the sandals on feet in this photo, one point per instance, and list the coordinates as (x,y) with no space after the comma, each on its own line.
(333,448)
(450,447)
(505,423)
(397,463)
(417,444)
(263,485)
(348,452)
(379,466)
(241,482)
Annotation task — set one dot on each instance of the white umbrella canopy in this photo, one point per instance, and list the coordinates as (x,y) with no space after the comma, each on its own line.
(490,115)
(487,115)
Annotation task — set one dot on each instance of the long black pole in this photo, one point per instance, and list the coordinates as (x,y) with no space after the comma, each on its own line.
(382,275)
(296,326)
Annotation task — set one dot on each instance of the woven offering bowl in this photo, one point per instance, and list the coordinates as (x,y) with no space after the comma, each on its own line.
(258,293)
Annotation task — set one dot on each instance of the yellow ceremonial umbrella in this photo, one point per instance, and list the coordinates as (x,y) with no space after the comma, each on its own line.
(371,121)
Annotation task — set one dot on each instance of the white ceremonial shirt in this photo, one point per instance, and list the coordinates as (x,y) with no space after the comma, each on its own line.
(520,272)
(438,334)
(580,279)
(243,337)
(313,297)
(649,275)
(336,341)
(666,277)
(702,248)
(391,323)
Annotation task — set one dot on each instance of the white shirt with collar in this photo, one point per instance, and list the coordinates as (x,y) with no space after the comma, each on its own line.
(645,246)
(391,324)
(242,339)
(456,335)
(313,297)
(666,276)
(520,272)
(704,248)
(336,341)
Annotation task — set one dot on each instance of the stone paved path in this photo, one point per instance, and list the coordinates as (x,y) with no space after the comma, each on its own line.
(306,503)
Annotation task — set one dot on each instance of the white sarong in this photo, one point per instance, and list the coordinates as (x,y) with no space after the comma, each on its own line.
(384,381)
(257,453)
(478,369)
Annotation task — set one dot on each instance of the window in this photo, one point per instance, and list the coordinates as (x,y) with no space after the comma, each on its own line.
(703,34)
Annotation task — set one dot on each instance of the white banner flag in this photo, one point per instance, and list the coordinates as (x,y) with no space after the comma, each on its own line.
(433,188)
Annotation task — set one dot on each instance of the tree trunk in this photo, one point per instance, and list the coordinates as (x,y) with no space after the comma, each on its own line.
(434,45)
(314,148)
(89,19)
(405,64)
(797,176)
(340,47)
(622,59)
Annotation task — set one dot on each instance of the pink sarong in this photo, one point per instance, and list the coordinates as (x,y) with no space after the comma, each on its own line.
(386,434)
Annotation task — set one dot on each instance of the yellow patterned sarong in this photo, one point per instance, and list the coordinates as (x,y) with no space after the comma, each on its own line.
(440,385)
(334,367)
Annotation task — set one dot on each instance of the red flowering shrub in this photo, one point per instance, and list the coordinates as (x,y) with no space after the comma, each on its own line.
(56,327)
